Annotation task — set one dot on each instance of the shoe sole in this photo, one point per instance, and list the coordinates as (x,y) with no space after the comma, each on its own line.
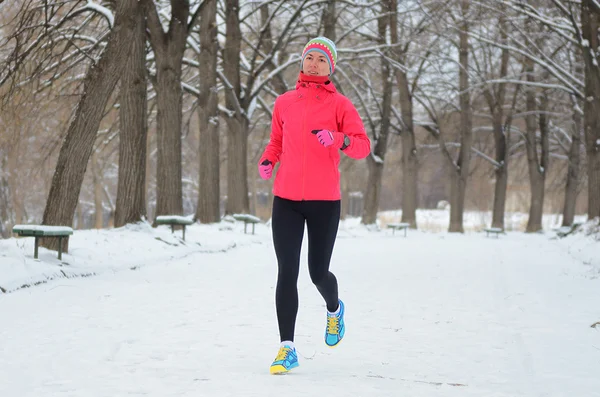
(280,369)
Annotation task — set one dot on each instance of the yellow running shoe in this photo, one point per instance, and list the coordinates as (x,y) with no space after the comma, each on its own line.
(286,359)
(336,328)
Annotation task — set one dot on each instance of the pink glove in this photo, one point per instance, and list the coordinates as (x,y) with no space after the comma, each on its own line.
(328,138)
(325,137)
(265,169)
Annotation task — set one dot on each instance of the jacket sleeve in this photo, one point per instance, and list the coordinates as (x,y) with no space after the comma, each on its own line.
(274,147)
(350,124)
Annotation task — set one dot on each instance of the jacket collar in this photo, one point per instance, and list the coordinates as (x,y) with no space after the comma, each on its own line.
(315,81)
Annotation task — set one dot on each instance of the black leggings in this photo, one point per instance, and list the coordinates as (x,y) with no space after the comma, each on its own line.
(288,219)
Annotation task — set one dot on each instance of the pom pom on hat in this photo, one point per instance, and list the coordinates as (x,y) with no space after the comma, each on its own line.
(325,47)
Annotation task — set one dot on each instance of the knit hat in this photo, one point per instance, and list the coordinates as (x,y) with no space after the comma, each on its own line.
(325,47)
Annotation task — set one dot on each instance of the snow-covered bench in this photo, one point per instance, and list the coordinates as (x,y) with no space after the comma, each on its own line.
(398,226)
(44,231)
(174,220)
(247,218)
(493,230)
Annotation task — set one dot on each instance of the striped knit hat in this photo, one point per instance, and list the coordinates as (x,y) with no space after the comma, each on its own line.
(324,46)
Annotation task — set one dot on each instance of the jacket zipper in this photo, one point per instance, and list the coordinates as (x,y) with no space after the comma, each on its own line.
(304,143)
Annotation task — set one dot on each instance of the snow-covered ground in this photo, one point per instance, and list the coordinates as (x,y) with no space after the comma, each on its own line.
(432,314)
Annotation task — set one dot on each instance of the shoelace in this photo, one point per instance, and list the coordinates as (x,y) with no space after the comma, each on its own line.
(283,352)
(333,324)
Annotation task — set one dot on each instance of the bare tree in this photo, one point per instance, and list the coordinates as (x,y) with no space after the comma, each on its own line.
(208,209)
(459,170)
(131,193)
(460,173)
(495,95)
(590,23)
(375,161)
(51,40)
(410,160)
(168,48)
(575,27)
(241,97)
(537,163)
(79,141)
(237,124)
(573,170)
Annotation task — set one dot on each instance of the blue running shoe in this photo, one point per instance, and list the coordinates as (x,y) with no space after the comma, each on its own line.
(286,359)
(335,327)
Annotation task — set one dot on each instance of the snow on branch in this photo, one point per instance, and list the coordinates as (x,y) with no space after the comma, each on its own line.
(229,91)
(105,12)
(376,158)
(292,60)
(552,67)
(527,83)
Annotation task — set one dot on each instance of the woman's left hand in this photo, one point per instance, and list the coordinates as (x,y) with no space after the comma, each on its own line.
(325,137)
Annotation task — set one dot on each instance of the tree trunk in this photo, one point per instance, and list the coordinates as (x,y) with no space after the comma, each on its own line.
(80,217)
(535,164)
(590,21)
(460,176)
(329,20)
(410,166)
(169,199)
(345,196)
(458,186)
(97,182)
(375,162)
(409,149)
(500,171)
(573,171)
(13,183)
(373,191)
(131,193)
(78,144)
(150,210)
(208,210)
(4,199)
(496,100)
(169,49)
(237,169)
(267,44)
(237,137)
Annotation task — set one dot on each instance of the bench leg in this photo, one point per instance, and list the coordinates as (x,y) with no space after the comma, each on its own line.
(245,224)
(183,232)
(59,248)
(172,228)
(253,227)
(405,231)
(35,249)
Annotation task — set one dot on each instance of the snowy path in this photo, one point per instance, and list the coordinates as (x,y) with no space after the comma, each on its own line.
(427,315)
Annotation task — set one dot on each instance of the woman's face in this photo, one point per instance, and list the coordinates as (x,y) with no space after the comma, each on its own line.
(315,64)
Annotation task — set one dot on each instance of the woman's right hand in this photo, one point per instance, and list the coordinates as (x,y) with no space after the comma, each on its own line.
(265,169)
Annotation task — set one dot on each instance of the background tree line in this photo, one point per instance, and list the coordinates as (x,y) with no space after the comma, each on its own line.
(133,109)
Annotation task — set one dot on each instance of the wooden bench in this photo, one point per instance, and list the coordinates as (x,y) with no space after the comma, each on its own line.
(174,220)
(564,231)
(247,218)
(398,226)
(493,230)
(44,231)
